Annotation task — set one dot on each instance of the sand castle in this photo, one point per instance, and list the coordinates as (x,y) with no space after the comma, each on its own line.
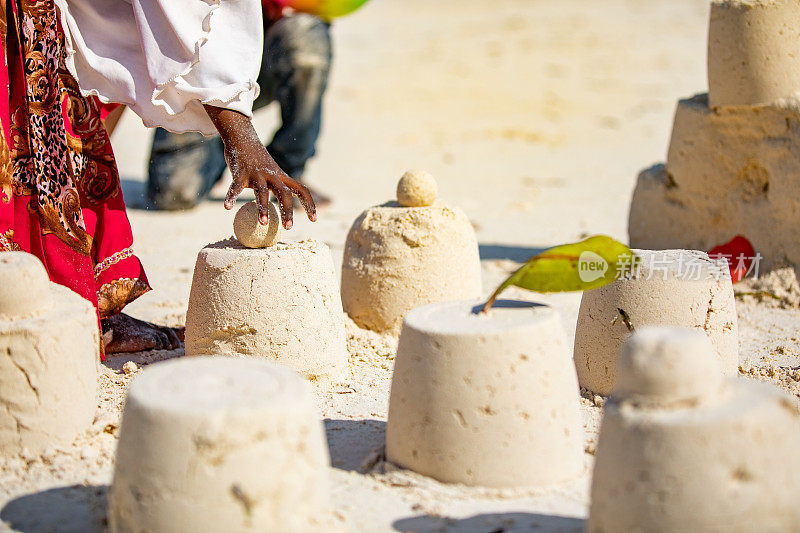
(682,288)
(219,444)
(485,399)
(682,448)
(405,254)
(48,372)
(280,302)
(734,158)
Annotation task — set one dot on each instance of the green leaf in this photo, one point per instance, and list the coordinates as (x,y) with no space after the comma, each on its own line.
(579,266)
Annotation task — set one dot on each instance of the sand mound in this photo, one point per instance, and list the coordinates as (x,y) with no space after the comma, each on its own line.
(682,288)
(398,258)
(279,303)
(778,288)
(50,350)
(718,451)
(485,399)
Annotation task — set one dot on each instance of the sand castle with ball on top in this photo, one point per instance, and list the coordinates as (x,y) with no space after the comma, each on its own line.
(219,444)
(409,253)
(681,288)
(682,448)
(485,399)
(733,166)
(48,372)
(261,297)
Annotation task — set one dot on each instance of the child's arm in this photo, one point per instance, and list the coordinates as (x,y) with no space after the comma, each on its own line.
(253,167)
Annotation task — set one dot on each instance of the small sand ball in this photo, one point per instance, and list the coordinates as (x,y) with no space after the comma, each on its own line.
(130,367)
(250,232)
(416,189)
(661,365)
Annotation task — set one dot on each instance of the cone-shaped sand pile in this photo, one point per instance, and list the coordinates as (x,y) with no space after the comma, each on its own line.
(219,444)
(48,371)
(683,449)
(682,288)
(485,399)
(399,256)
(280,303)
(734,158)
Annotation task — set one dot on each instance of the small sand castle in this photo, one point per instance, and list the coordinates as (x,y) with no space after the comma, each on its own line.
(48,371)
(485,399)
(409,253)
(682,288)
(682,448)
(219,444)
(734,158)
(260,297)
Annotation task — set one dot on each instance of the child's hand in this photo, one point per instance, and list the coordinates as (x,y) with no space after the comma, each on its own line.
(253,167)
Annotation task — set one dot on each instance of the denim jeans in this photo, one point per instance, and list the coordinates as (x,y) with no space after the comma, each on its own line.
(294,72)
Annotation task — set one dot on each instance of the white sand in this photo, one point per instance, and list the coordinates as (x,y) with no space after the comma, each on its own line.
(535,117)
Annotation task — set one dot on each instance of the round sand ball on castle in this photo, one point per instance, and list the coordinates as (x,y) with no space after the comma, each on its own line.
(280,303)
(682,288)
(397,258)
(682,448)
(416,188)
(219,444)
(251,232)
(485,399)
(48,372)
(753,52)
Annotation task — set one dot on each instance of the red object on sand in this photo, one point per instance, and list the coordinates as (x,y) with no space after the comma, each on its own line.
(739,253)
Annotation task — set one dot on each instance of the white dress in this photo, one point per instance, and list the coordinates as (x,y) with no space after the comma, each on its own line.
(165,58)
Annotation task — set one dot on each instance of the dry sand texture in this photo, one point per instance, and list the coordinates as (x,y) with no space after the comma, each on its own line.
(398,258)
(485,399)
(733,162)
(683,449)
(279,303)
(49,341)
(219,444)
(535,118)
(680,288)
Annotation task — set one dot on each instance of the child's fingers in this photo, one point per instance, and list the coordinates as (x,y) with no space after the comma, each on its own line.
(234,191)
(262,200)
(284,196)
(305,199)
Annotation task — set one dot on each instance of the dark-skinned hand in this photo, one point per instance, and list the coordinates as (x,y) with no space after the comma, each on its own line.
(252,167)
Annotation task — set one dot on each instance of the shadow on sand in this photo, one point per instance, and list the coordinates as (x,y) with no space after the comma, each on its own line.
(116,361)
(490,523)
(74,509)
(355,445)
(519,254)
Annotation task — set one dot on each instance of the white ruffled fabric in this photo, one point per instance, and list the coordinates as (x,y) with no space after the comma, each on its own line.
(165,58)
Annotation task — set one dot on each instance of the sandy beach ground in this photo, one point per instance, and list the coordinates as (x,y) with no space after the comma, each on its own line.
(535,117)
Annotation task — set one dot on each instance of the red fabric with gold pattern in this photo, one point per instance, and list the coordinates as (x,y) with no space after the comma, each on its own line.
(60,196)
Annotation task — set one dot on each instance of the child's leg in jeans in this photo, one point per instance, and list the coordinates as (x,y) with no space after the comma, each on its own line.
(183,168)
(297,59)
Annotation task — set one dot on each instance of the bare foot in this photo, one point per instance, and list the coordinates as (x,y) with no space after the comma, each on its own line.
(123,334)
